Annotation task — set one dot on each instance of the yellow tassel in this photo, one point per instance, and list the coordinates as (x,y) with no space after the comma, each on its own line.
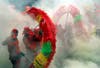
(38,18)
(40,61)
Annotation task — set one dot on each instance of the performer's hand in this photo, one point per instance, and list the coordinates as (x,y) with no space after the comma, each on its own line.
(22,54)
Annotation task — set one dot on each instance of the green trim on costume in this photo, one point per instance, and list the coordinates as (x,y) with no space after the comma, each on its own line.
(77,18)
(46,48)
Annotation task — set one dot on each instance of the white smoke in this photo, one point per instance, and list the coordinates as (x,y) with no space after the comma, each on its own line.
(71,52)
(10,18)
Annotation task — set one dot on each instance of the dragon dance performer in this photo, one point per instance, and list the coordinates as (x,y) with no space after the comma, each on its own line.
(31,40)
(43,59)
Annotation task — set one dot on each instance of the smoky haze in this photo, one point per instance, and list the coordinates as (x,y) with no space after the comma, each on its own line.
(71,52)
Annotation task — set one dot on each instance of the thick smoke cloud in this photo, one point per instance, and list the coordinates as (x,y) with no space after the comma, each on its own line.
(71,52)
(10,18)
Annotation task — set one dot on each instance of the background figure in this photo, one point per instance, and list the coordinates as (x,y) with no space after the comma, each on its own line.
(64,44)
(13,48)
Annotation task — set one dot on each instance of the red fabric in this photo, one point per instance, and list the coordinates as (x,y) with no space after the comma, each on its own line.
(47,27)
(31,66)
(74,11)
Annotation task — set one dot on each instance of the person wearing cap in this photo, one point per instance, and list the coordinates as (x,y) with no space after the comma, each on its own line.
(13,48)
